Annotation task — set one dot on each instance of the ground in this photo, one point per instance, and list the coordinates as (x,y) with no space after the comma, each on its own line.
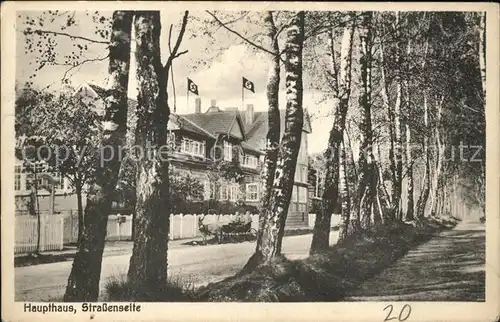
(200,264)
(451,266)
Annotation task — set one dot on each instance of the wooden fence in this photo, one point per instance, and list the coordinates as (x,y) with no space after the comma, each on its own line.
(26,233)
(63,228)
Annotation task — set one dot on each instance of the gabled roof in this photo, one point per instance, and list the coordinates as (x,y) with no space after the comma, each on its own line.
(181,122)
(258,130)
(187,125)
(217,122)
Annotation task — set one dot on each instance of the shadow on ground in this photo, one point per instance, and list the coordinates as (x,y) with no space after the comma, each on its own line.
(450,267)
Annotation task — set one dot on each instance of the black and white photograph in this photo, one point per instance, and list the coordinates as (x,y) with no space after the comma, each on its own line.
(222,153)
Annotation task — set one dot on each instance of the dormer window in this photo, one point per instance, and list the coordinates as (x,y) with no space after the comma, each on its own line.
(250,161)
(228,151)
(193,147)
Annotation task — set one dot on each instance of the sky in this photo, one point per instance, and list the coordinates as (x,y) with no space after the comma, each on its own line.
(216,61)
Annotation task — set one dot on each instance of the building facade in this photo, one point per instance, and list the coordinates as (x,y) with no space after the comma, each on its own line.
(223,148)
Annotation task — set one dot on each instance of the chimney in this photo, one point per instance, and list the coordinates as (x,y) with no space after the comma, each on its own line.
(197,105)
(249,114)
(213,102)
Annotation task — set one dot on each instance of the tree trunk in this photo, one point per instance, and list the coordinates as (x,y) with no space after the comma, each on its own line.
(397,189)
(410,205)
(409,164)
(482,50)
(321,232)
(147,274)
(354,222)
(79,206)
(83,281)
(279,201)
(438,158)
(366,194)
(344,197)
(425,190)
(390,113)
(273,134)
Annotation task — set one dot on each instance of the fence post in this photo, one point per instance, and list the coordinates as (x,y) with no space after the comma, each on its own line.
(61,239)
(42,232)
(180,225)
(171,234)
(118,228)
(194,225)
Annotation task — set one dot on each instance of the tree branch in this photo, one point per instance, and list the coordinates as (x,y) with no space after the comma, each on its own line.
(173,52)
(241,36)
(57,33)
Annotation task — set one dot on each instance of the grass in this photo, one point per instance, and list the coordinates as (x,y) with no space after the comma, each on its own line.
(326,276)
(117,289)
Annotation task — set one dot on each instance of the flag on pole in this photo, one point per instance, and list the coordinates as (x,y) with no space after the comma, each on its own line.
(248,85)
(192,87)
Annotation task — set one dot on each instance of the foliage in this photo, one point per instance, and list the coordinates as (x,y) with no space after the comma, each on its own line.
(48,35)
(184,190)
(61,130)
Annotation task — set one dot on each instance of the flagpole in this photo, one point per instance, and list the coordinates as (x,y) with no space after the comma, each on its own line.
(187,99)
(242,97)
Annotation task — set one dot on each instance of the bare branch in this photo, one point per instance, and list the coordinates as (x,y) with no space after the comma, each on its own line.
(173,52)
(241,36)
(57,33)
(230,22)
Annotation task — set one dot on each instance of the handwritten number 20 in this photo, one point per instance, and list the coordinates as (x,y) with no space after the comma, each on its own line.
(403,314)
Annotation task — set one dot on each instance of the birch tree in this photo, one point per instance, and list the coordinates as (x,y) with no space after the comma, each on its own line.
(342,90)
(345,197)
(482,50)
(276,212)
(83,281)
(366,158)
(147,274)
(273,132)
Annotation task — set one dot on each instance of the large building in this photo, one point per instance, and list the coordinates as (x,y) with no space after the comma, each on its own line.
(223,148)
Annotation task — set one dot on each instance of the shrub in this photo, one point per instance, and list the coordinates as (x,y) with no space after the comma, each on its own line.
(117,289)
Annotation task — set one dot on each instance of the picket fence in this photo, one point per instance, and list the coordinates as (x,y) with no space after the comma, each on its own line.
(26,233)
(62,228)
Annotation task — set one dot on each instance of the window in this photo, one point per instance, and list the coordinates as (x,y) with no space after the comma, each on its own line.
(24,179)
(294,194)
(229,192)
(302,194)
(38,169)
(250,161)
(319,186)
(193,147)
(252,192)
(17,177)
(228,151)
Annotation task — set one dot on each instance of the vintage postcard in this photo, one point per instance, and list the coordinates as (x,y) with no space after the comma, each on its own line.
(240,161)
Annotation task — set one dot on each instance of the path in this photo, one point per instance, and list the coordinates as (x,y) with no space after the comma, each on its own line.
(450,267)
(198,264)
